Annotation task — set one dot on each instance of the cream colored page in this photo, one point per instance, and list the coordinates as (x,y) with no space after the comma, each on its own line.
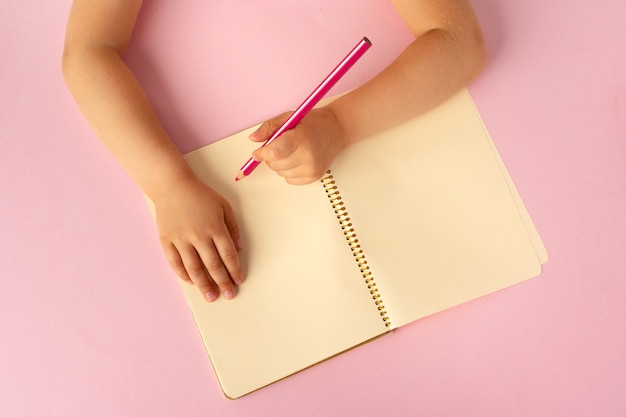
(434,213)
(530,227)
(304,298)
(540,249)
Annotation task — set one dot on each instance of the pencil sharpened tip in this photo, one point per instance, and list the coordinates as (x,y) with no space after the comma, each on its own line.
(239,176)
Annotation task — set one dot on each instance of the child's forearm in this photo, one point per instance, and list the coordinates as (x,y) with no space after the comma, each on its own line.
(440,61)
(119,112)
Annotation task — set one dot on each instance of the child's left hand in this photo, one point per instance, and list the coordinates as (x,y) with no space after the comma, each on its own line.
(303,154)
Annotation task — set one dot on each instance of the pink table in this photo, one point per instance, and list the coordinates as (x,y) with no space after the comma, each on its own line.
(92,323)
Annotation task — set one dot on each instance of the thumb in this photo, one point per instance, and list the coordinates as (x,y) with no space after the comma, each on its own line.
(265,131)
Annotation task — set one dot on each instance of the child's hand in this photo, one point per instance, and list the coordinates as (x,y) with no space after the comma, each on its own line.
(200,238)
(303,154)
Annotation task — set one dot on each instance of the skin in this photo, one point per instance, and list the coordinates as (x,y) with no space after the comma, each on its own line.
(197,228)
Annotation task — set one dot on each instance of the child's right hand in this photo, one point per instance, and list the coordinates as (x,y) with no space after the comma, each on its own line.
(200,238)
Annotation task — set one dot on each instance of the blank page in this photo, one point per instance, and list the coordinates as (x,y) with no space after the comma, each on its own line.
(434,213)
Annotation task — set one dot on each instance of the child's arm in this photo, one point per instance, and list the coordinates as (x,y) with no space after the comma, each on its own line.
(447,53)
(197,228)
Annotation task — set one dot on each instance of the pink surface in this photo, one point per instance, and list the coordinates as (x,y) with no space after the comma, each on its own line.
(92,323)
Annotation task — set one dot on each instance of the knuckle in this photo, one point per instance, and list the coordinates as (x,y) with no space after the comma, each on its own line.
(214,265)
(273,153)
(196,271)
(176,264)
(230,256)
(234,229)
(195,237)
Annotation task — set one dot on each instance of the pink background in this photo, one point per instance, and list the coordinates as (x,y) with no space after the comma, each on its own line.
(92,323)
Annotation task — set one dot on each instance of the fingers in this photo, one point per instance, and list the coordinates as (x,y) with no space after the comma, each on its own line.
(212,267)
(176,263)
(200,276)
(217,267)
(277,150)
(291,161)
(266,129)
(303,154)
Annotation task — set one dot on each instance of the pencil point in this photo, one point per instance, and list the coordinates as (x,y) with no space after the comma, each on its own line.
(239,176)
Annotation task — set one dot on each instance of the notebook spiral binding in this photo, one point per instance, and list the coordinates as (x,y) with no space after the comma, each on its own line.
(341,211)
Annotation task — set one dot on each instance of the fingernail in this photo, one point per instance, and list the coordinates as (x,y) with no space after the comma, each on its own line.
(238,244)
(238,281)
(229,294)
(209,296)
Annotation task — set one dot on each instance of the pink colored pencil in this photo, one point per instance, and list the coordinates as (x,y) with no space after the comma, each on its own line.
(306,106)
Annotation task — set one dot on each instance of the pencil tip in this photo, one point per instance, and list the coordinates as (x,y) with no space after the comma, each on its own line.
(239,176)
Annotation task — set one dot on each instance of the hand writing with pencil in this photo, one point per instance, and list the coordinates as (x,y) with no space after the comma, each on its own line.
(303,154)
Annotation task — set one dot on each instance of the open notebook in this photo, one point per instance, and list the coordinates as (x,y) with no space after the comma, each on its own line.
(418,219)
